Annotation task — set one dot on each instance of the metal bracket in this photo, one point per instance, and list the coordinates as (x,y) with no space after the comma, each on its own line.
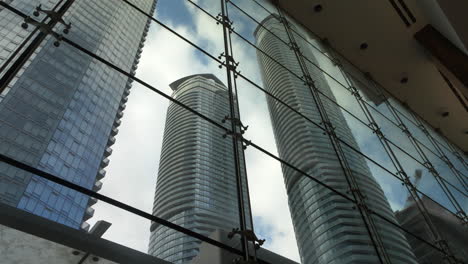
(424,130)
(224,20)
(463,217)
(284,21)
(459,157)
(230,63)
(237,122)
(46,27)
(295,47)
(362,205)
(249,235)
(233,134)
(336,62)
(444,246)
(447,161)
(355,92)
(357,192)
(405,130)
(246,144)
(402,173)
(407,182)
(431,168)
(376,130)
(308,81)
(329,128)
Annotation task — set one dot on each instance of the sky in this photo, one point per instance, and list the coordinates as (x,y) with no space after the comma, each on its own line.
(131,175)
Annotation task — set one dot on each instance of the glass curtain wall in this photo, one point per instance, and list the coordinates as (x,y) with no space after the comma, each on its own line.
(60,112)
(373,173)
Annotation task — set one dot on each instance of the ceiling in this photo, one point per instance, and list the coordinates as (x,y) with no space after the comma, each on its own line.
(392,53)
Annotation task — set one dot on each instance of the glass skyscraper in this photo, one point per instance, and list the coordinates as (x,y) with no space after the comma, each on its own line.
(61,112)
(327,229)
(196,185)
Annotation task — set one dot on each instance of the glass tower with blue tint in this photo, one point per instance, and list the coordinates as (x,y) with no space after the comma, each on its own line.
(196,185)
(61,112)
(327,228)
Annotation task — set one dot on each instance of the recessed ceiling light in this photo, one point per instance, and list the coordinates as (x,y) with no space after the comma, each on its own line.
(404,80)
(445,114)
(363,46)
(318,8)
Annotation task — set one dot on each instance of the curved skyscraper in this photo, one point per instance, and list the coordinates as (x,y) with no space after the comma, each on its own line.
(327,229)
(196,185)
(61,112)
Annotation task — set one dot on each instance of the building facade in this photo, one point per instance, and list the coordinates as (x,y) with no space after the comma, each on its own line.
(448,225)
(61,112)
(196,185)
(327,229)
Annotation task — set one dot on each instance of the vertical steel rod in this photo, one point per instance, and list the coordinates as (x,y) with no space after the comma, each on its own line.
(230,71)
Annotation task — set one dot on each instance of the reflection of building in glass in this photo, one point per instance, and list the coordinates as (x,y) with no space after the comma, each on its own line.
(196,186)
(61,113)
(447,225)
(213,255)
(327,229)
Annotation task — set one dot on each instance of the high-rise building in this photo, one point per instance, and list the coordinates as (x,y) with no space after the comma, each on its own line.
(196,185)
(61,112)
(327,228)
(448,225)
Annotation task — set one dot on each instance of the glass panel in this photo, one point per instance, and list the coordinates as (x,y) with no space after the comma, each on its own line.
(438,138)
(395,135)
(258,10)
(428,184)
(457,163)
(212,8)
(193,24)
(203,196)
(417,233)
(460,197)
(452,177)
(457,158)
(448,228)
(267,188)
(383,194)
(196,185)
(259,122)
(417,133)
(13,36)
(331,82)
(357,135)
(316,211)
(255,45)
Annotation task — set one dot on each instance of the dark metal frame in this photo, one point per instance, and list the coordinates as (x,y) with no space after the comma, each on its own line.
(235,131)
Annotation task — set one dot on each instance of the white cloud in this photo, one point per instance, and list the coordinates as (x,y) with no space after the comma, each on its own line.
(131,175)
(133,168)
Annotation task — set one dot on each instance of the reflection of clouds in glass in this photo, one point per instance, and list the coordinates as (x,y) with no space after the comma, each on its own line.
(369,143)
(167,58)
